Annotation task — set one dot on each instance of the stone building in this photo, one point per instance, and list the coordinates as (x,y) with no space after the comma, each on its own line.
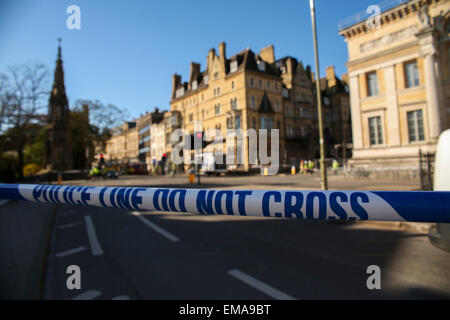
(251,91)
(399,77)
(144,125)
(124,144)
(58,142)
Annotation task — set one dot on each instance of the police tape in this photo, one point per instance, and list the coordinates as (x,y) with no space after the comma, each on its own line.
(325,205)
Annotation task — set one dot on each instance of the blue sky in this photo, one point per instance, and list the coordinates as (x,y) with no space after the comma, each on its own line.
(127,51)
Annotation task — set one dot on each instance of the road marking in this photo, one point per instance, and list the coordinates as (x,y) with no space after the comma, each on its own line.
(69,252)
(70,225)
(3,201)
(261,286)
(161,231)
(121,298)
(92,236)
(88,295)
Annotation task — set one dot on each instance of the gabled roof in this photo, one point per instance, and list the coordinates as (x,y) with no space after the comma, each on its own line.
(266,106)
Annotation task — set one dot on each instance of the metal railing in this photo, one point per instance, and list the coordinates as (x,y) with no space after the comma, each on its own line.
(363,15)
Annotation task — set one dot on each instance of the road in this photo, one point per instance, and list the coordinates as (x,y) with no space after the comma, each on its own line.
(130,255)
(174,256)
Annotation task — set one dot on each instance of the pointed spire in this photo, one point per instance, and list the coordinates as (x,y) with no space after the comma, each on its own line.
(59,48)
(58,96)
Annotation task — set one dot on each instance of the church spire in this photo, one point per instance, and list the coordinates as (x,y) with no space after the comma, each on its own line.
(58,96)
(58,146)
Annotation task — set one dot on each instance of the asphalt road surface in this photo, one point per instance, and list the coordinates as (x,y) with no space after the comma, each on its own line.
(126,255)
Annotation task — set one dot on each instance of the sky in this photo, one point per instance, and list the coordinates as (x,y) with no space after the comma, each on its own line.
(127,51)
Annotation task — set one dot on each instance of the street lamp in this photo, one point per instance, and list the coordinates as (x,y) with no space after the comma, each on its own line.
(323,171)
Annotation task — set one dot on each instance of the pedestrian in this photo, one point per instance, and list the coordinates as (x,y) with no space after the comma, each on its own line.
(335,166)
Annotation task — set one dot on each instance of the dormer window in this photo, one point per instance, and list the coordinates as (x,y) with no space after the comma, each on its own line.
(194,85)
(206,79)
(261,65)
(179,92)
(233,66)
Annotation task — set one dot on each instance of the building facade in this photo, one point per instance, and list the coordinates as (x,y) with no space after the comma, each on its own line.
(399,76)
(123,147)
(251,91)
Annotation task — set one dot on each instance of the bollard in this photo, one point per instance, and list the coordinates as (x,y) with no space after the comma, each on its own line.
(412,206)
(191,177)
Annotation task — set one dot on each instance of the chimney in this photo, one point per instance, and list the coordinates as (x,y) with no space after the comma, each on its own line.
(331,76)
(210,59)
(194,71)
(176,82)
(222,50)
(308,72)
(268,54)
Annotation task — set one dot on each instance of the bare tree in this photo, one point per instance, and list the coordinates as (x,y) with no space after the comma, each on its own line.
(103,118)
(24,97)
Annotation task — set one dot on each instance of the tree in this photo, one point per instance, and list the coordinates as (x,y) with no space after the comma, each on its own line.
(102,118)
(23,95)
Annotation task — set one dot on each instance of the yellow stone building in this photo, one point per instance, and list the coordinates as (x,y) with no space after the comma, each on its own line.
(399,77)
(124,143)
(251,91)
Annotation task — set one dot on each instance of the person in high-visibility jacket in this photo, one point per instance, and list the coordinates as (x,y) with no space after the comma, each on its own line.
(335,166)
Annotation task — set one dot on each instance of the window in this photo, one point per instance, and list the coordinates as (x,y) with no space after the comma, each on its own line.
(253,123)
(372,84)
(252,82)
(277,106)
(233,104)
(252,102)
(203,113)
(276,86)
(268,85)
(194,85)
(326,101)
(232,85)
(233,66)
(411,74)
(266,123)
(217,109)
(216,76)
(191,117)
(261,65)
(260,85)
(376,134)
(238,122)
(415,126)
(218,91)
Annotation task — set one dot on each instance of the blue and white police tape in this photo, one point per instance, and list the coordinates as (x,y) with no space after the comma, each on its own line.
(331,205)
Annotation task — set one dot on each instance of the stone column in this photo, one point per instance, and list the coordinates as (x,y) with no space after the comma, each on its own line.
(393,127)
(355,113)
(432,81)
